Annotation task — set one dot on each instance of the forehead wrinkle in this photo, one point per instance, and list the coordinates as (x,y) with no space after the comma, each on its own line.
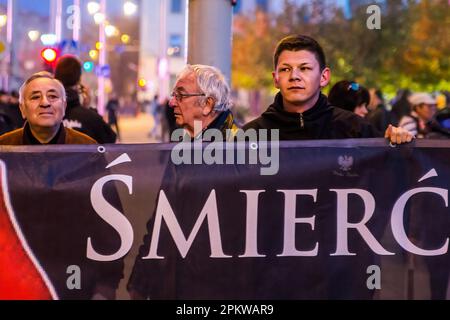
(40,91)
(180,88)
(187,83)
(294,55)
(188,78)
(43,83)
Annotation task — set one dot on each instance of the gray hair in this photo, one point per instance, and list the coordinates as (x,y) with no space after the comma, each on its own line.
(38,75)
(212,83)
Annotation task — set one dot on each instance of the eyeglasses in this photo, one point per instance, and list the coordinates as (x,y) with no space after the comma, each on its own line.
(179,96)
(353,86)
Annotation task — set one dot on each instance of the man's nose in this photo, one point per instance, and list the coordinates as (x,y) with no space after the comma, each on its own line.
(295,73)
(45,102)
(172,102)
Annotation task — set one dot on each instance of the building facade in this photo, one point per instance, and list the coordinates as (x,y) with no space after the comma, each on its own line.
(163,51)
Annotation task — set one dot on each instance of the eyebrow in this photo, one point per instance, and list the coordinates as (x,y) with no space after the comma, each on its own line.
(302,64)
(49,91)
(179,89)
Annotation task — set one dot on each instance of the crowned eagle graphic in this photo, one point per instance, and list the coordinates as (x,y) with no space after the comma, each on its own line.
(345,163)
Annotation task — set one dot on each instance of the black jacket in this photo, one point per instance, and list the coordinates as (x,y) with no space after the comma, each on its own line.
(10,118)
(322,121)
(381,118)
(86,120)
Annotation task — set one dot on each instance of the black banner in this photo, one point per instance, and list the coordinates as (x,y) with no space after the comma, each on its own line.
(349,219)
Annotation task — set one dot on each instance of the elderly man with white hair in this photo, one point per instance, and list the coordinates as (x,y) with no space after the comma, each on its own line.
(42,104)
(201,101)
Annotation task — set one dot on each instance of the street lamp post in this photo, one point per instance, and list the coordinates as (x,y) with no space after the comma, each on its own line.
(56,19)
(7,68)
(3,50)
(163,61)
(209,40)
(98,11)
(77,21)
(102,61)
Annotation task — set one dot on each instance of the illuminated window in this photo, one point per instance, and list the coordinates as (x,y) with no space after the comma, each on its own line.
(175,45)
(176,6)
(262,5)
(237,7)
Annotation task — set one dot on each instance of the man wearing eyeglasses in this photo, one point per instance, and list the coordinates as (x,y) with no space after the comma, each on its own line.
(201,101)
(300,111)
(43,104)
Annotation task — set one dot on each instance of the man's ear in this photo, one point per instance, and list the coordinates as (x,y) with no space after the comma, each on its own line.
(275,79)
(325,77)
(64,109)
(209,106)
(22,110)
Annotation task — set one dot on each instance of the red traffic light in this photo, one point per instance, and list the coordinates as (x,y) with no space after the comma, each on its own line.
(49,55)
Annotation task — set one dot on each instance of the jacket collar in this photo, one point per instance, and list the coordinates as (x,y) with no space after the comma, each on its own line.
(29,138)
(73,99)
(276,110)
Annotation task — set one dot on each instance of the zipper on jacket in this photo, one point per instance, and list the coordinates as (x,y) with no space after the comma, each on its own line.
(302,122)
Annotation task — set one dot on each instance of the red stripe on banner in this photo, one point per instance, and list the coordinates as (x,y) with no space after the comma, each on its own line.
(19,278)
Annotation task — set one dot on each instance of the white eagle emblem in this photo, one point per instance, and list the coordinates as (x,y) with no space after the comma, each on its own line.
(345,163)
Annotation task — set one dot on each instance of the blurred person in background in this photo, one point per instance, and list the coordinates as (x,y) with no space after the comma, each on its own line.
(113,107)
(155,112)
(440,124)
(18,121)
(68,70)
(423,108)
(378,115)
(400,105)
(10,116)
(351,96)
(168,121)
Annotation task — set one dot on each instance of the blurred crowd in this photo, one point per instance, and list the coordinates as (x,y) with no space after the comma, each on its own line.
(423,114)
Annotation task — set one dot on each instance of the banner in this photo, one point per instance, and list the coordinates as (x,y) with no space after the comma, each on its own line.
(347,219)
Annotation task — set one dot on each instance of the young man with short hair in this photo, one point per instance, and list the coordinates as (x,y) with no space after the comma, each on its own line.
(300,111)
